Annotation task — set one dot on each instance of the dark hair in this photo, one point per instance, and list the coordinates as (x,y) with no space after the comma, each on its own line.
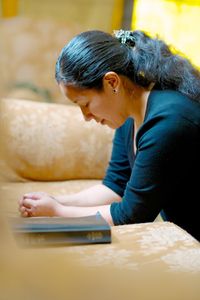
(145,60)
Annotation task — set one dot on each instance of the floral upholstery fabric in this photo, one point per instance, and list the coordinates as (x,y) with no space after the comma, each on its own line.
(34,45)
(149,261)
(50,142)
(49,147)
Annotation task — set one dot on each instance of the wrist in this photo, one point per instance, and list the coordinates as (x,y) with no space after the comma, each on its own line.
(60,210)
(59,199)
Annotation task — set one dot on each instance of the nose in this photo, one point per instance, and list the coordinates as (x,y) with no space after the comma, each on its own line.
(88,116)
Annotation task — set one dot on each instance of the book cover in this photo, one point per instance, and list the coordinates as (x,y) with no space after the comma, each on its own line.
(47,231)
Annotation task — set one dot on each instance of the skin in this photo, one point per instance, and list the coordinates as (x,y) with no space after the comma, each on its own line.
(119,99)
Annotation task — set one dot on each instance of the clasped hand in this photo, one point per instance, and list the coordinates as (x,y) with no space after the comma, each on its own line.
(38,204)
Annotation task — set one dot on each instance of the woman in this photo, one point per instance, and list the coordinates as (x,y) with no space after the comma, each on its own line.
(135,84)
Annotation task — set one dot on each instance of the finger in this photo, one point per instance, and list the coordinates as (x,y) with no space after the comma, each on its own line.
(29,203)
(24,214)
(27,212)
(28,195)
(22,208)
(34,196)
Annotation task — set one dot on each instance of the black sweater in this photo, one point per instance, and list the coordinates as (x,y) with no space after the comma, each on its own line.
(163,175)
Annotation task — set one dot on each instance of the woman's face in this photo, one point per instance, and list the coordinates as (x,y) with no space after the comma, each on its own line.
(105,107)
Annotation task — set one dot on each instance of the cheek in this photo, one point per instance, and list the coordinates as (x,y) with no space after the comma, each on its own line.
(103,107)
(97,106)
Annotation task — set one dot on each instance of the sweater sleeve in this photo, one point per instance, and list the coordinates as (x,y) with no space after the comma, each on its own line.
(157,164)
(119,169)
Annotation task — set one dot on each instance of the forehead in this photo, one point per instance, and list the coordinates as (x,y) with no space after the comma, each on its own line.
(77,94)
(70,92)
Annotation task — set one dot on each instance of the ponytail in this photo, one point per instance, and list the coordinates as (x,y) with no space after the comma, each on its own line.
(154,62)
(85,60)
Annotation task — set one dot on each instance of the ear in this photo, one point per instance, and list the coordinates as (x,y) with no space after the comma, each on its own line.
(111,80)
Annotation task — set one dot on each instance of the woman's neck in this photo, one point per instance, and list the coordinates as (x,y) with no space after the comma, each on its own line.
(138,104)
(140,114)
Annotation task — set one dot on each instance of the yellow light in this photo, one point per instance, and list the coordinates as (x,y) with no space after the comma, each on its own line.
(9,8)
(174,21)
(117,14)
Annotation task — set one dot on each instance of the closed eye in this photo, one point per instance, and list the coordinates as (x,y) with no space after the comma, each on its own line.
(83,105)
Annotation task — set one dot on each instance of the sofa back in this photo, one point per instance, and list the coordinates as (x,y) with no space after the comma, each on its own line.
(48,142)
(34,45)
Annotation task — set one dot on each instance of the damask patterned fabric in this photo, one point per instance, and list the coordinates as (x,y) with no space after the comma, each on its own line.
(136,246)
(48,142)
(34,45)
(50,148)
(149,261)
(44,146)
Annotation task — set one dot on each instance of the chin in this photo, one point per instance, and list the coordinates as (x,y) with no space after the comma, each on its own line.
(112,125)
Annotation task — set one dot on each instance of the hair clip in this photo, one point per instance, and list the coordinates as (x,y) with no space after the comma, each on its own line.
(123,35)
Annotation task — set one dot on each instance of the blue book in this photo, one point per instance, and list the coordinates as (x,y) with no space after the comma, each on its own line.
(57,231)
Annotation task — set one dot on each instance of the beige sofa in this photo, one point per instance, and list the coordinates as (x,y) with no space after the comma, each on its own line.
(34,45)
(48,147)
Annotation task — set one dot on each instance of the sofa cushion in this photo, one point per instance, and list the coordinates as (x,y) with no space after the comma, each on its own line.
(45,141)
